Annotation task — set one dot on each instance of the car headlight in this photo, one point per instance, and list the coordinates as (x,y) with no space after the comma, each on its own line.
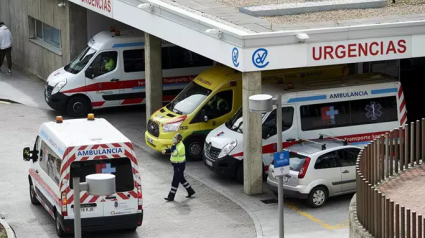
(172,127)
(59,86)
(227,148)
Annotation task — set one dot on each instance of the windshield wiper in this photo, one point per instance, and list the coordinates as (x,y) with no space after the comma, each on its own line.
(237,128)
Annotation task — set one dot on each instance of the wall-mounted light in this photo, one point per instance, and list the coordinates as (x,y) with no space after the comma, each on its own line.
(214,32)
(302,37)
(145,6)
(61,4)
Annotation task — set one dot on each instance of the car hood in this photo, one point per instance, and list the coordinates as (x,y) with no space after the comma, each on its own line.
(221,136)
(58,76)
(165,116)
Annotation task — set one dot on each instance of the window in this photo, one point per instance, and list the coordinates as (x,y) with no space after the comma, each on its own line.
(219,105)
(269,125)
(373,110)
(348,113)
(120,167)
(76,65)
(104,63)
(134,60)
(189,99)
(182,58)
(320,116)
(46,33)
(50,162)
(327,161)
(348,157)
(296,161)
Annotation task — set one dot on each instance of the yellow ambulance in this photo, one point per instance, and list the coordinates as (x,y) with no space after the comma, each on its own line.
(210,100)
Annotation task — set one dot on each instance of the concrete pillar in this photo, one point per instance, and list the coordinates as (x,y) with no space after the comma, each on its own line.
(77,29)
(252,147)
(153,74)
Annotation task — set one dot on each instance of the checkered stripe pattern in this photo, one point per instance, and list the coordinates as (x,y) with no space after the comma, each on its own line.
(71,156)
(402,109)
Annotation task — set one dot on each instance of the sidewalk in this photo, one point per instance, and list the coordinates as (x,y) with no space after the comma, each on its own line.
(22,88)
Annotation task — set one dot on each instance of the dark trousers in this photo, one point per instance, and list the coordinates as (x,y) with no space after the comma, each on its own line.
(8,53)
(178,177)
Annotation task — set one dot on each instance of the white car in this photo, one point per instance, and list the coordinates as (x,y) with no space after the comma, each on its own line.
(318,169)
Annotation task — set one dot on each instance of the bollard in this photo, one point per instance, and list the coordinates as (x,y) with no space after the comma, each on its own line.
(417,156)
(401,136)
(387,218)
(406,146)
(423,142)
(414,224)
(403,222)
(392,218)
(408,216)
(397,220)
(412,144)
(396,157)
(420,226)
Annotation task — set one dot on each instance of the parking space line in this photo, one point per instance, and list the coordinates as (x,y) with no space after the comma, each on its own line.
(343,224)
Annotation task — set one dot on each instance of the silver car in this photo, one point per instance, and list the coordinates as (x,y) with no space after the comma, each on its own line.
(318,169)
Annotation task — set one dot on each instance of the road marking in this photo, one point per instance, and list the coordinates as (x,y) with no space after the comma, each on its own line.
(343,224)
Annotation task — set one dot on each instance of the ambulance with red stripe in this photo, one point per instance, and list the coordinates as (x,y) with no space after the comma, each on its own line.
(110,72)
(67,148)
(355,107)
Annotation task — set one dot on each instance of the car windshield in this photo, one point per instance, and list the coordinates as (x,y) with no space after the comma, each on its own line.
(81,61)
(296,161)
(235,123)
(189,99)
(120,167)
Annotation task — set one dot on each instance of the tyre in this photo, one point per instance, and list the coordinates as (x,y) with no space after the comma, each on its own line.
(317,197)
(194,148)
(33,196)
(59,231)
(239,173)
(78,106)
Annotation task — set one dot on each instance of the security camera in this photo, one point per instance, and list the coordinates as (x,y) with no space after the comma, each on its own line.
(302,37)
(61,4)
(214,32)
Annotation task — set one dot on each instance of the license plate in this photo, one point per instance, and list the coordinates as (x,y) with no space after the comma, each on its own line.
(285,179)
(87,209)
(209,163)
(150,140)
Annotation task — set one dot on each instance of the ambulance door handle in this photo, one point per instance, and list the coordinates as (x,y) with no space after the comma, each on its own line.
(111,197)
(114,80)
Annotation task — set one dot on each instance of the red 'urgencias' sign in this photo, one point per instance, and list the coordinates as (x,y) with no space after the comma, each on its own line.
(364,49)
(104,5)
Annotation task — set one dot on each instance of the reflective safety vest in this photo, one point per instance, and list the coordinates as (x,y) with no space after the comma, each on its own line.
(110,65)
(178,154)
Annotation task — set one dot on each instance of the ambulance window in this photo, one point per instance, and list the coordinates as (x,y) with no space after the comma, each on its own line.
(327,115)
(373,110)
(182,58)
(120,167)
(134,60)
(50,162)
(269,124)
(104,63)
(219,105)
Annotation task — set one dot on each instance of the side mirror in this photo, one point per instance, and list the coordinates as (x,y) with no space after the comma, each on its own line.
(89,72)
(26,154)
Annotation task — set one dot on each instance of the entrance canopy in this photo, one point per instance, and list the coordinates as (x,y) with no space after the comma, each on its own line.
(242,48)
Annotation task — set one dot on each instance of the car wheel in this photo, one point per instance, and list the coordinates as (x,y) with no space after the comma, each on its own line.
(78,106)
(239,173)
(317,197)
(194,148)
(33,196)
(59,231)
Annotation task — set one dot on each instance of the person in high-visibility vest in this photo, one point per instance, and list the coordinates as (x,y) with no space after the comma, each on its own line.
(178,160)
(110,64)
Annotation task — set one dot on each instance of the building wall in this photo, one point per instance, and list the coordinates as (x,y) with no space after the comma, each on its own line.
(97,23)
(31,56)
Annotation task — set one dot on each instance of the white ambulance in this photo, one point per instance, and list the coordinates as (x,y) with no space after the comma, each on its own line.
(110,72)
(64,148)
(357,108)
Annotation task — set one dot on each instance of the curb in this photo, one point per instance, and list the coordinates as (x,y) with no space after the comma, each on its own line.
(254,218)
(9,231)
(8,101)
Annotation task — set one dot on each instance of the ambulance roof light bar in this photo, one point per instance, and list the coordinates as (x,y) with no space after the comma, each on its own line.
(90,117)
(59,119)
(344,141)
(300,141)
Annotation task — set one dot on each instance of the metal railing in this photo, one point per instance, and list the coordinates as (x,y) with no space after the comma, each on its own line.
(387,156)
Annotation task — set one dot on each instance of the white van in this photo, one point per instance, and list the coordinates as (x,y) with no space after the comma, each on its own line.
(356,107)
(110,72)
(64,148)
